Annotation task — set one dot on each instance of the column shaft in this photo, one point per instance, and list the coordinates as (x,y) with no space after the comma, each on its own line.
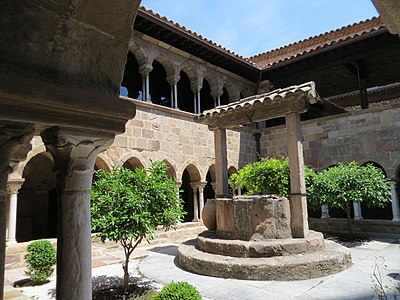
(395,203)
(74,156)
(221,163)
(198,102)
(12,220)
(325,212)
(148,96)
(195,102)
(195,206)
(201,200)
(357,211)
(144,96)
(298,201)
(175,95)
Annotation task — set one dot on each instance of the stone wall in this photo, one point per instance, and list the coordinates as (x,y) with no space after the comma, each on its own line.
(162,133)
(371,135)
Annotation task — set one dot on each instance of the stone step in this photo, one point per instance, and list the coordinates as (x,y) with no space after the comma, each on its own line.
(209,242)
(332,259)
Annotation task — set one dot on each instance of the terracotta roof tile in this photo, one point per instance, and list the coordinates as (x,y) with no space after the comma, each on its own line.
(193,33)
(267,59)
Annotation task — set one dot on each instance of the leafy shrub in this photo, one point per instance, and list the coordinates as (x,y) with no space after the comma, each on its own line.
(178,291)
(341,185)
(40,260)
(270,176)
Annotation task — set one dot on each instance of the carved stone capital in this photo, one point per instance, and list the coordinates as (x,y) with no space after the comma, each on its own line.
(74,154)
(14,146)
(173,79)
(145,69)
(14,185)
(216,93)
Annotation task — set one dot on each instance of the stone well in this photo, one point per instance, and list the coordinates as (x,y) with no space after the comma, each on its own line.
(250,237)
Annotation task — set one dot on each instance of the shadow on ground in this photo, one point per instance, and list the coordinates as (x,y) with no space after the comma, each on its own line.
(167,250)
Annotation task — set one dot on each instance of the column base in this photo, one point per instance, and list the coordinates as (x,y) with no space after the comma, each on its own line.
(11,243)
(358,218)
(396,220)
(196,220)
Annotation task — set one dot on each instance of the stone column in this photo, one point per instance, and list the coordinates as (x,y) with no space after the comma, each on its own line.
(198,102)
(357,211)
(13,187)
(173,82)
(195,203)
(145,70)
(74,153)
(221,164)
(298,200)
(201,197)
(216,94)
(325,212)
(14,145)
(395,202)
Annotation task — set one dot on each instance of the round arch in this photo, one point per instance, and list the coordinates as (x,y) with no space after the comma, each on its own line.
(37,200)
(103,162)
(130,154)
(132,163)
(171,171)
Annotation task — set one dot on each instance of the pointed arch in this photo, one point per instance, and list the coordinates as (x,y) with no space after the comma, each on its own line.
(171,172)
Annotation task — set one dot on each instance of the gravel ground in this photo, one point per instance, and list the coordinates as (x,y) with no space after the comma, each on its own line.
(103,277)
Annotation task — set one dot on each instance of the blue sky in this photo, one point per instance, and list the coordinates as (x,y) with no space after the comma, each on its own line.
(254,26)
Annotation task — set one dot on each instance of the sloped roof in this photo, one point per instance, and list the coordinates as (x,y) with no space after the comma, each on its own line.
(270,58)
(277,103)
(194,34)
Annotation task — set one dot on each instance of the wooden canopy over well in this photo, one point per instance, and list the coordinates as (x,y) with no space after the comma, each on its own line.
(277,103)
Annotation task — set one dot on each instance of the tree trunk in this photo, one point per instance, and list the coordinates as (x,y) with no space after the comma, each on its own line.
(126,273)
(348,212)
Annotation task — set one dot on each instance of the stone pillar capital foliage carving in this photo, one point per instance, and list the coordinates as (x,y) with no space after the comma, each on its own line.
(216,93)
(173,79)
(74,153)
(14,146)
(145,69)
(14,185)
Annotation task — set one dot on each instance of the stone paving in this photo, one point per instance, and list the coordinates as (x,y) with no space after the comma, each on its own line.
(157,263)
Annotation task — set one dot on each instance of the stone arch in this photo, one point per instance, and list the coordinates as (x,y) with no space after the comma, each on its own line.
(233,91)
(140,55)
(232,170)
(375,164)
(103,162)
(166,63)
(130,154)
(171,172)
(190,73)
(209,192)
(191,178)
(374,212)
(160,89)
(37,200)
(376,161)
(133,163)
(132,85)
(194,164)
(38,149)
(206,100)
(185,93)
(212,81)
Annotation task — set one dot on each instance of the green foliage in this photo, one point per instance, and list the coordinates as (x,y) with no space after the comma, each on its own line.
(128,206)
(40,259)
(270,176)
(178,291)
(345,183)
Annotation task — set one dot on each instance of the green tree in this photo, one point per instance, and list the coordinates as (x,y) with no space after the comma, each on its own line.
(341,185)
(127,206)
(270,176)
